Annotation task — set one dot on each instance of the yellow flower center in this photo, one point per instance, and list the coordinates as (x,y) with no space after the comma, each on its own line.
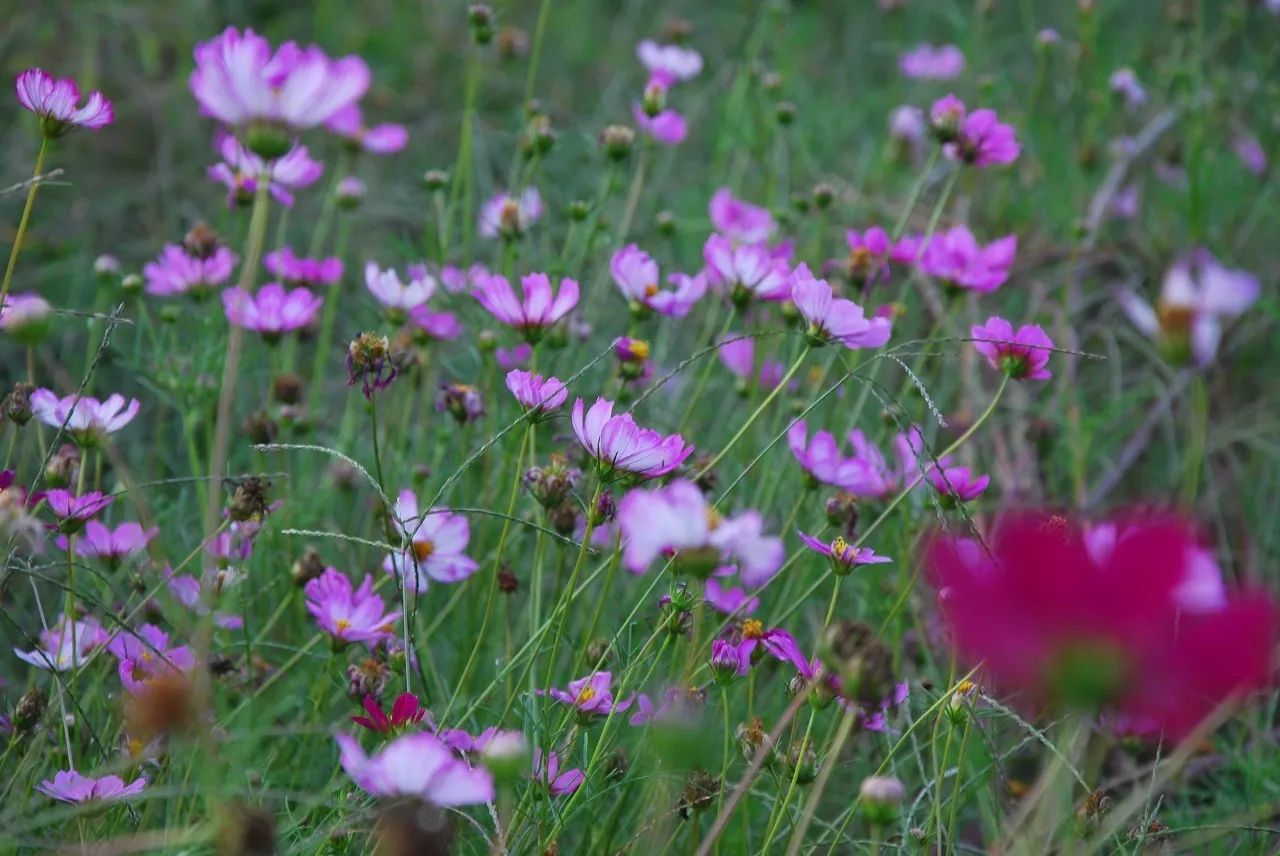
(422,550)
(752,629)
(586,695)
(343,625)
(640,348)
(650,290)
(839,546)
(714,519)
(965,687)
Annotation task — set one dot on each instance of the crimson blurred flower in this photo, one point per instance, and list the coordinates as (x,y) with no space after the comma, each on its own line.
(406,710)
(1100,617)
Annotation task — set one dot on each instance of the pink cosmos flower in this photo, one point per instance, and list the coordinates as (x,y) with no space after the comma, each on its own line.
(956,257)
(878,479)
(54,100)
(738,356)
(296,270)
(1197,294)
(85,418)
(750,640)
(188,591)
(25,315)
(745,272)
(983,140)
(241,171)
(539,308)
(239,81)
(906,126)
(636,275)
(834,320)
(71,787)
(1250,152)
(1023,355)
(436,539)
(272,311)
(145,655)
(74,511)
(457,280)
(176,272)
(668,64)
(506,216)
(65,645)
(823,462)
(406,710)
(349,615)
(590,696)
(514,358)
(547,772)
(1125,83)
(957,483)
(396,297)
(416,765)
(869,254)
(926,62)
(385,139)
(537,394)
(844,556)
(433,325)
(675,521)
(619,445)
(731,600)
(739,221)
(668,127)
(1061,622)
(102,542)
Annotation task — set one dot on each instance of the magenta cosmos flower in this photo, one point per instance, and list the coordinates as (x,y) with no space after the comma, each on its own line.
(74,511)
(241,171)
(927,62)
(675,522)
(242,83)
(510,217)
(1197,294)
(397,297)
(176,272)
(416,765)
(636,275)
(956,258)
(406,710)
(1023,355)
(959,484)
(1059,618)
(667,127)
(978,138)
(71,787)
(436,543)
(102,542)
(739,356)
(869,254)
(619,445)
(745,272)
(385,139)
(668,64)
(295,270)
(349,615)
(538,395)
(85,418)
(432,326)
(146,655)
(832,319)
(739,221)
(65,645)
(863,474)
(272,311)
(540,307)
(54,101)
(557,781)
(844,557)
(591,696)
(188,591)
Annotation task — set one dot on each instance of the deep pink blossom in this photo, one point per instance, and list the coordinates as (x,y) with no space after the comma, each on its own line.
(510,217)
(957,483)
(618,444)
(437,540)
(406,711)
(177,272)
(87,419)
(668,127)
(55,101)
(636,275)
(1056,620)
(832,319)
(590,696)
(824,463)
(956,258)
(71,787)
(102,542)
(384,139)
(731,600)
(539,307)
(74,511)
(241,171)
(739,221)
(547,772)
(433,325)
(241,82)
(295,270)
(145,655)
(844,556)
(983,140)
(272,311)
(347,614)
(535,393)
(927,62)
(416,765)
(1023,355)
(65,645)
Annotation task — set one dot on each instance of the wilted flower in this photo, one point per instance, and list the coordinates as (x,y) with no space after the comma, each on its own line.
(1023,355)
(538,395)
(1052,614)
(504,215)
(538,308)
(636,275)
(146,655)
(369,361)
(437,540)
(65,645)
(416,765)
(349,615)
(176,271)
(71,787)
(272,311)
(739,221)
(619,445)
(241,171)
(54,101)
(547,772)
(383,139)
(831,319)
(844,556)
(462,401)
(927,62)
(955,257)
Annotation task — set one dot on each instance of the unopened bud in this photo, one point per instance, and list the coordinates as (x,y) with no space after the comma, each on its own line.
(617,141)
(307,567)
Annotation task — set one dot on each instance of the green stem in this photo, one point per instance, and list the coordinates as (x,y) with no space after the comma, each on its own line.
(562,604)
(32,187)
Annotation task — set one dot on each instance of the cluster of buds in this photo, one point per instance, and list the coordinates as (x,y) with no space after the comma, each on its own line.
(538,136)
(551,485)
(480,17)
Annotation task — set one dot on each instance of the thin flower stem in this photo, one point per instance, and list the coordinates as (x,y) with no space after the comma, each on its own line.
(32,187)
(724,757)
(324,343)
(231,366)
(773,393)
(562,604)
(815,793)
(779,810)
(905,216)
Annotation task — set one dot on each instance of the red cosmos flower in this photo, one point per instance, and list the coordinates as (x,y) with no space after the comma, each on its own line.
(1121,616)
(405,710)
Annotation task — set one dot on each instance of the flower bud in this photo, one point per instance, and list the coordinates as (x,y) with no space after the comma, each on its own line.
(823,195)
(350,193)
(880,797)
(508,582)
(435,180)
(842,512)
(617,141)
(462,401)
(29,710)
(131,283)
(802,763)
(655,99)
(480,17)
(785,113)
(287,388)
(604,510)
(307,567)
(537,138)
(17,404)
(250,500)
(851,651)
(106,267)
(564,517)
(725,663)
(665,223)
(578,210)
(63,468)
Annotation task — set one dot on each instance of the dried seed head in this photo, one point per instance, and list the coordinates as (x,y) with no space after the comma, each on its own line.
(201,241)
(17,404)
(412,828)
(29,710)
(245,830)
(251,500)
(287,388)
(864,665)
(699,793)
(307,567)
